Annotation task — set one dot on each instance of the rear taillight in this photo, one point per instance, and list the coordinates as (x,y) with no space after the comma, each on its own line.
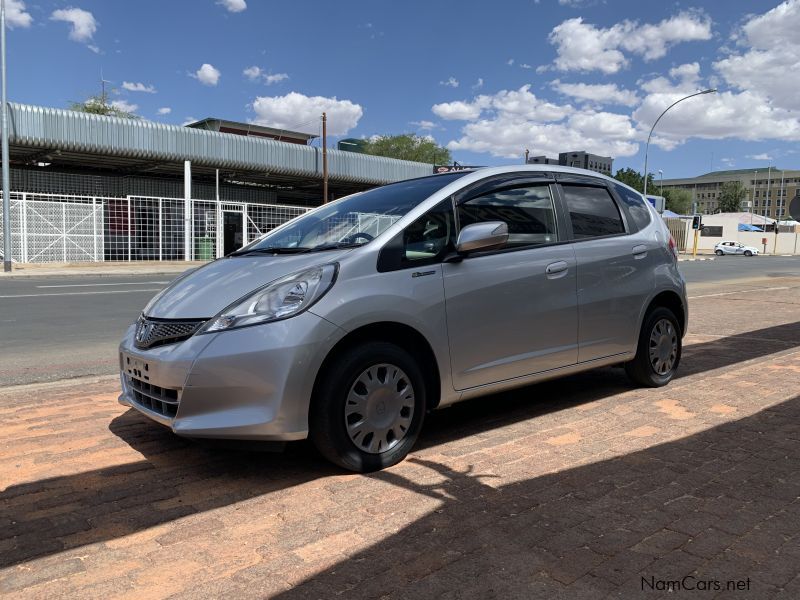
(673,247)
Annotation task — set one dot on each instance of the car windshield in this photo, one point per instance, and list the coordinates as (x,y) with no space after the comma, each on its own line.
(352,221)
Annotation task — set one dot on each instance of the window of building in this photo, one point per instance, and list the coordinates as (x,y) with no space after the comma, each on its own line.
(592,211)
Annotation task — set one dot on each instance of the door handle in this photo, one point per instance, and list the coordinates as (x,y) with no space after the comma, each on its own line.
(639,251)
(556,268)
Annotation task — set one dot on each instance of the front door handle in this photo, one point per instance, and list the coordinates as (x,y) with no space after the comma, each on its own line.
(556,269)
(639,251)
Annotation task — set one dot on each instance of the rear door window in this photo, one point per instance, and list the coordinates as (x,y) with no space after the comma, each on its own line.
(637,206)
(592,211)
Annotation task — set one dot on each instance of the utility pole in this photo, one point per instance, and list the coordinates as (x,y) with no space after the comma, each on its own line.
(324,158)
(527,153)
(6,182)
(753,197)
(777,216)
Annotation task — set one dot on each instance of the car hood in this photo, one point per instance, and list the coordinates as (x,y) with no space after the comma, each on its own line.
(204,292)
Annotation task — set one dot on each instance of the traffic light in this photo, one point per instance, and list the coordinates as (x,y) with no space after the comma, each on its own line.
(696,223)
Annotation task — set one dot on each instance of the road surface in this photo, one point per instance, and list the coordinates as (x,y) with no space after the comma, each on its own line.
(57,328)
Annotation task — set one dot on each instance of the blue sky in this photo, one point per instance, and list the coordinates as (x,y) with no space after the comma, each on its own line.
(486,79)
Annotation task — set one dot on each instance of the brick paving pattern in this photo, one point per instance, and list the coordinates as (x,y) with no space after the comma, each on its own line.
(579,488)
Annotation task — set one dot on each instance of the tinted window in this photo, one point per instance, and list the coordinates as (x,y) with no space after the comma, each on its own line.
(636,206)
(592,211)
(428,237)
(528,212)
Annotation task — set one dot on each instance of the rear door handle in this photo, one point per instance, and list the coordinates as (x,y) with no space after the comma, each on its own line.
(557,269)
(639,251)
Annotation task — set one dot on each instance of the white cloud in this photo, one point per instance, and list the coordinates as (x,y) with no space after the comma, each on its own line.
(771,58)
(762,156)
(233,6)
(255,73)
(510,62)
(138,87)
(425,125)
(303,113)
(525,66)
(82,21)
(457,111)
(252,73)
(582,46)
(276,78)
(93,48)
(507,122)
(164,110)
(746,116)
(478,84)
(124,106)
(519,102)
(188,120)
(601,94)
(16,15)
(207,74)
(451,82)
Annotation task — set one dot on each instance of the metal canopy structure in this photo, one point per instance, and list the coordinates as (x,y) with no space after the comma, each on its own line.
(64,139)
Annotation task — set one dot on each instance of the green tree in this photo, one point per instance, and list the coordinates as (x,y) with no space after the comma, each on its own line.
(731,196)
(99,105)
(634,179)
(408,147)
(678,200)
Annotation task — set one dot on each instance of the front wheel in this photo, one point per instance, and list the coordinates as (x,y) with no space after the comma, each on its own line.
(748,253)
(718,252)
(368,408)
(659,350)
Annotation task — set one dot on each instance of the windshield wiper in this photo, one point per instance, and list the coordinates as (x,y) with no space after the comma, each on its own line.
(332,246)
(270,250)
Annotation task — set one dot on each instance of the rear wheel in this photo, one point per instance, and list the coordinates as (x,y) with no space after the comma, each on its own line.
(748,253)
(659,350)
(369,407)
(718,252)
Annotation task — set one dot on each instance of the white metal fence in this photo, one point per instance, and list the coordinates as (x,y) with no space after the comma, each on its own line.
(63,228)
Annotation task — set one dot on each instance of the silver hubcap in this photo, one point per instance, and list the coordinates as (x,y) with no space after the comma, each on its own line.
(663,347)
(379,408)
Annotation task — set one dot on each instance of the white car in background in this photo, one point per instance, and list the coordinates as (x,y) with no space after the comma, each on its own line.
(729,247)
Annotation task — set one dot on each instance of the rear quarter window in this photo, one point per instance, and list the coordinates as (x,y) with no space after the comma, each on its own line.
(637,207)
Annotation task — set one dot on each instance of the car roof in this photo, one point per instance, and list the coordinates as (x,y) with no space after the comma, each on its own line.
(481,172)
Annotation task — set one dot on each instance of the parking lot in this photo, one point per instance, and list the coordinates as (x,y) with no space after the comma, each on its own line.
(578,488)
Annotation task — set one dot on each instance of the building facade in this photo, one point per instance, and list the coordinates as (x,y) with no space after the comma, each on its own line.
(769,191)
(579,159)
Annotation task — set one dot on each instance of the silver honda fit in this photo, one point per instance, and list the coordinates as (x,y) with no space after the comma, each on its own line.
(349,323)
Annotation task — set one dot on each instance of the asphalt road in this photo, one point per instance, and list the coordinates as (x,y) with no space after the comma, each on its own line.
(54,328)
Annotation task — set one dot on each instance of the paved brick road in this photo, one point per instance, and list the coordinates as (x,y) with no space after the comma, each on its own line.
(577,489)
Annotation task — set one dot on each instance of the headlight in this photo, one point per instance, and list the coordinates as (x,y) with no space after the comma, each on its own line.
(280,299)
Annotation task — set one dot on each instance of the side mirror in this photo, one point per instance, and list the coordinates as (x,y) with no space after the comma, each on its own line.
(482,236)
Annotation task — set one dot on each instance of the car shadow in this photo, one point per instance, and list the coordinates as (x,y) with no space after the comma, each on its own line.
(177,477)
(718,505)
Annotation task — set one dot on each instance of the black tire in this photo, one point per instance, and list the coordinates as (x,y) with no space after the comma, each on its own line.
(327,420)
(641,370)
(748,253)
(718,252)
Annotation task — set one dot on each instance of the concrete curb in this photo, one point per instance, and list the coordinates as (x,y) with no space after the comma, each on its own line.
(694,258)
(100,269)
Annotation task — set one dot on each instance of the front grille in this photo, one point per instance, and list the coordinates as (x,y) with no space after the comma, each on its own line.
(151,333)
(164,401)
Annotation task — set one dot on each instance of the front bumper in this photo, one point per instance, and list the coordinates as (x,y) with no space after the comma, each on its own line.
(253,383)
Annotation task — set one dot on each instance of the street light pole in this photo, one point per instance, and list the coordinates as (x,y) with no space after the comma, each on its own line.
(647,146)
(6,182)
(661,187)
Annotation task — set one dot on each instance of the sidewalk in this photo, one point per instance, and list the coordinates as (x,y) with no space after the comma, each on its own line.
(101,269)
